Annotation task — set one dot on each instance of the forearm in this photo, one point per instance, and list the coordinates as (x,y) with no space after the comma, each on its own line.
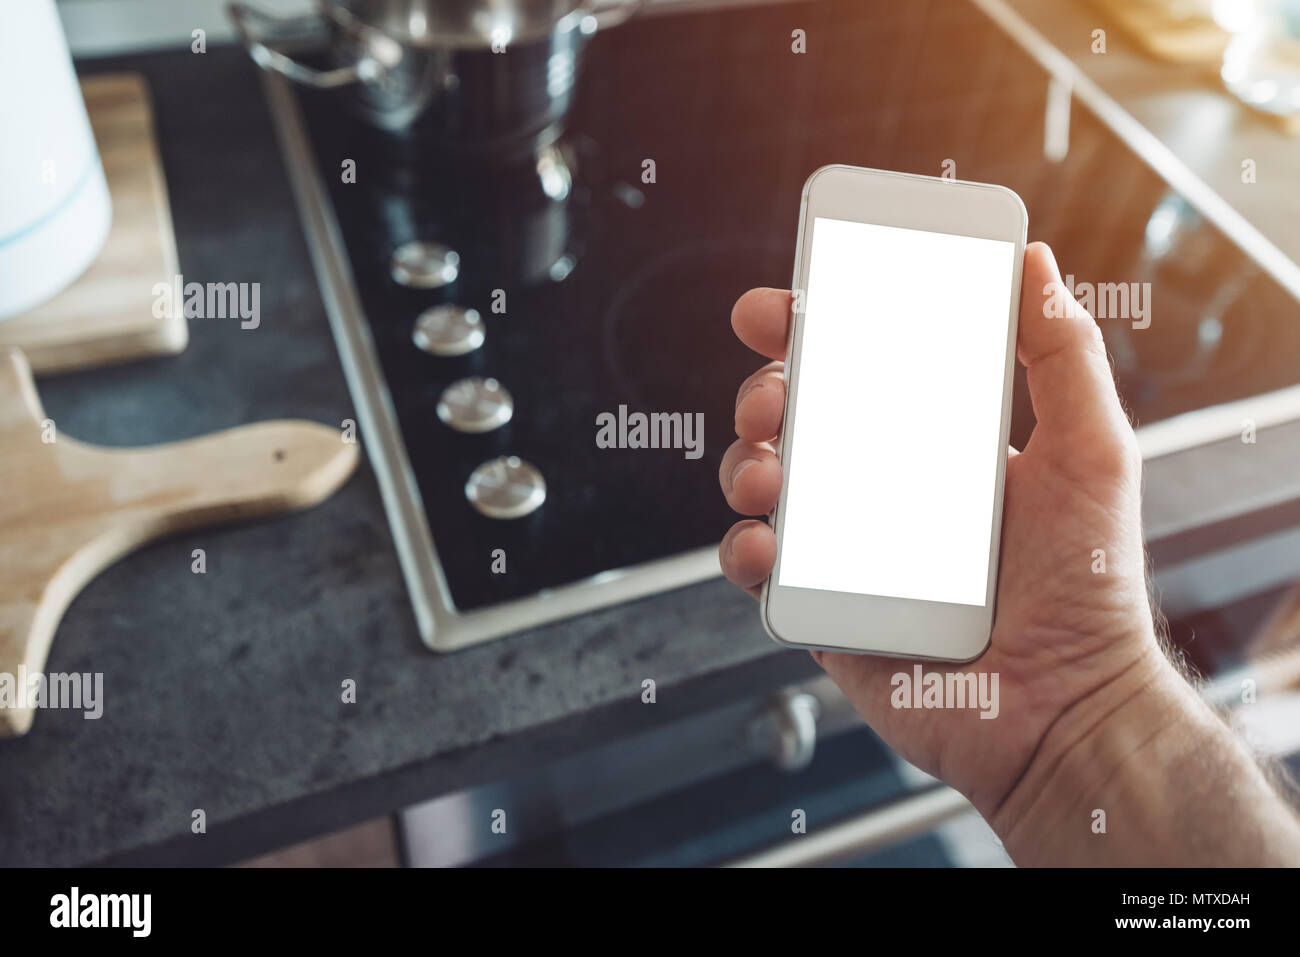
(1144,773)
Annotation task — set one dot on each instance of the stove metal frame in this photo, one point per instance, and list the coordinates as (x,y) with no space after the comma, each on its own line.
(442,626)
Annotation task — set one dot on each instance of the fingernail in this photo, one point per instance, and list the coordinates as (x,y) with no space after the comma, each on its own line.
(728,546)
(739,468)
(746,391)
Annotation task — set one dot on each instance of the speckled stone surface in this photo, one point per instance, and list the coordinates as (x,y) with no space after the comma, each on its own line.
(223,691)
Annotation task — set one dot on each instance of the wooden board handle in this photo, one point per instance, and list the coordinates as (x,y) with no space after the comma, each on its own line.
(71,508)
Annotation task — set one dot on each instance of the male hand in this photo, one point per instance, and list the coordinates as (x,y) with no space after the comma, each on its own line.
(1074,646)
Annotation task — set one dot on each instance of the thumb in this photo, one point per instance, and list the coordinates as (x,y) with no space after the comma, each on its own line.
(1080,418)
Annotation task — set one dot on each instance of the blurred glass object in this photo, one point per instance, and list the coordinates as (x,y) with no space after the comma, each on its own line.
(1261,65)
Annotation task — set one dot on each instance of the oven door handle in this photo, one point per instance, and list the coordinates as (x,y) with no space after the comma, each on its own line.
(870,831)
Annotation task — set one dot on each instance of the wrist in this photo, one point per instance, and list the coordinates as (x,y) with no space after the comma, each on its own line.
(1082,793)
(1142,772)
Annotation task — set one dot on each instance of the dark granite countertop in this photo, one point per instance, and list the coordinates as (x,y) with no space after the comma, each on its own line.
(222,691)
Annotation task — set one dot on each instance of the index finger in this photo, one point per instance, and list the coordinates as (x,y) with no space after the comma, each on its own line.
(761,319)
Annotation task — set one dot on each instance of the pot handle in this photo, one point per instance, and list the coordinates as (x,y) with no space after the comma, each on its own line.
(254,25)
(610,13)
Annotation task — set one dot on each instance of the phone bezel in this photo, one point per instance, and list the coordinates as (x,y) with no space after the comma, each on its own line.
(896,627)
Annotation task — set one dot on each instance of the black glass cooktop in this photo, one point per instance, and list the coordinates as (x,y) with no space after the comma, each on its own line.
(617,291)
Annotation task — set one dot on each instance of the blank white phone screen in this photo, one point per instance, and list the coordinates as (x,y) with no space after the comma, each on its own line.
(898,413)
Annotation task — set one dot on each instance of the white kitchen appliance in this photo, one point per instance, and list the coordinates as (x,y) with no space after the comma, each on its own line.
(54,204)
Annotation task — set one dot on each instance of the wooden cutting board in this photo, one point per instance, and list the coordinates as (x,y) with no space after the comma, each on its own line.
(1178,31)
(107,315)
(68,509)
(1184,32)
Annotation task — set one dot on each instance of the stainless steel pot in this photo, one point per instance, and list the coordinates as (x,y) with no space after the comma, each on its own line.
(473,74)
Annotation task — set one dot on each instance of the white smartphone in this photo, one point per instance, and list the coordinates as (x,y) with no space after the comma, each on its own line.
(898,406)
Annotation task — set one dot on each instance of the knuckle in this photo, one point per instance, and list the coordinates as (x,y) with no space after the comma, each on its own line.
(1118,456)
(1089,333)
